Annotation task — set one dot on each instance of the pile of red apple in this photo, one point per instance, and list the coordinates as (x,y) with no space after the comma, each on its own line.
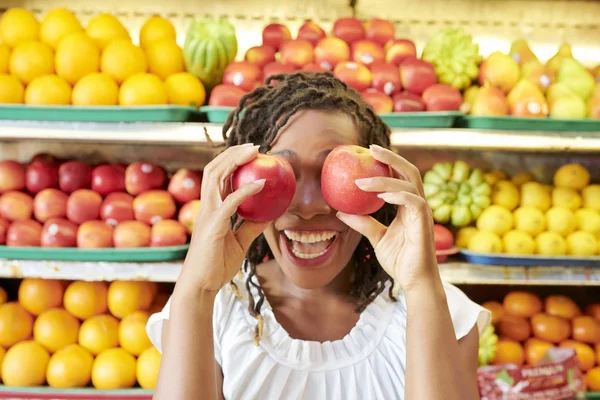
(53,203)
(367,57)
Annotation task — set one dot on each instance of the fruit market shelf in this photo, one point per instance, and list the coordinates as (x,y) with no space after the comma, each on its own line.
(193,133)
(45,392)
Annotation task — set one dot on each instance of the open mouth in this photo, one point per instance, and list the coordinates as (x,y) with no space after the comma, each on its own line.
(309,248)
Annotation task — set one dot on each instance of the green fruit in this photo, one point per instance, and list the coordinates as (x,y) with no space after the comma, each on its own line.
(461,216)
(464,199)
(444,170)
(460,172)
(464,188)
(476,177)
(482,201)
(442,214)
(434,178)
(430,189)
(452,187)
(484,189)
(475,211)
(487,346)
(435,202)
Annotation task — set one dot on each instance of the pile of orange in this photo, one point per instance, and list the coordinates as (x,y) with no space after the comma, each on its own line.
(71,334)
(528,327)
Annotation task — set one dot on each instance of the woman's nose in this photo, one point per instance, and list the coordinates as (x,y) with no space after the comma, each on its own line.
(308,201)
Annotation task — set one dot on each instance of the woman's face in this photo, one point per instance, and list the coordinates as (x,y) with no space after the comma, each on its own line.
(310,244)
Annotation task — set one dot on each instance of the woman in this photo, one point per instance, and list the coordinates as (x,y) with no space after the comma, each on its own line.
(312,314)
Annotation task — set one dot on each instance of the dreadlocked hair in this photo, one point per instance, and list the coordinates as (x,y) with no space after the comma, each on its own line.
(258,119)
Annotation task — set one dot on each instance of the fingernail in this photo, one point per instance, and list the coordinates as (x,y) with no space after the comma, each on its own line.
(363,181)
(260,182)
(247,145)
(376,147)
(384,196)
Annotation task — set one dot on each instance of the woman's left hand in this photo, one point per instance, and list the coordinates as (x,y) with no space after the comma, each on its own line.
(405,249)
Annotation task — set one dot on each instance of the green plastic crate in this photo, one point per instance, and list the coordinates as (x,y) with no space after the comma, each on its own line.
(167,113)
(143,254)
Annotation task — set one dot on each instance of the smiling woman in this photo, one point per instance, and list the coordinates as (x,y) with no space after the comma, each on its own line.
(317,318)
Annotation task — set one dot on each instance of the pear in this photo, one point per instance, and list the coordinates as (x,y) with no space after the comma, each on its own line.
(596,72)
(538,74)
(593,107)
(527,100)
(499,70)
(521,52)
(576,77)
(490,101)
(554,63)
(564,103)
(468,97)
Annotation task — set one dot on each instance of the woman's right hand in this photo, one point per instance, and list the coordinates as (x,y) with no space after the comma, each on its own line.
(216,252)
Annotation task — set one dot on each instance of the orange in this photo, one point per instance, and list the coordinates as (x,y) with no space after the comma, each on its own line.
(95,89)
(585,354)
(70,367)
(161,301)
(38,295)
(593,379)
(55,329)
(515,328)
(48,90)
(4,58)
(99,333)
(12,90)
(156,28)
(86,299)
(148,366)
(141,90)
(535,350)
(3,295)
(104,28)
(2,354)
(561,306)
(57,24)
(593,310)
(122,59)
(586,329)
(30,60)
(76,56)
(509,352)
(165,58)
(114,369)
(496,309)
(18,25)
(550,328)
(25,364)
(16,324)
(522,304)
(132,333)
(126,297)
(185,89)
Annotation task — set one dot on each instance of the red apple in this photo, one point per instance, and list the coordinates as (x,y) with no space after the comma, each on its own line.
(276,196)
(380,31)
(4,224)
(143,176)
(443,240)
(330,52)
(442,97)
(242,74)
(58,232)
(260,55)
(116,208)
(417,75)
(349,30)
(275,34)
(49,203)
(225,96)
(12,176)
(296,52)
(74,175)
(45,157)
(398,50)
(130,234)
(185,186)
(83,205)
(168,233)
(342,167)
(26,233)
(95,235)
(381,102)
(355,75)
(367,52)
(41,175)
(108,178)
(16,206)
(276,68)
(386,78)
(314,68)
(153,206)
(188,214)
(311,32)
(408,102)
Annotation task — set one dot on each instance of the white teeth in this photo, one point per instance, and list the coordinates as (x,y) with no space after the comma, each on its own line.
(308,256)
(309,237)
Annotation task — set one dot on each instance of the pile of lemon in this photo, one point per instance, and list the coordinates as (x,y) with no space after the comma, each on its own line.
(71,334)
(58,62)
(527,217)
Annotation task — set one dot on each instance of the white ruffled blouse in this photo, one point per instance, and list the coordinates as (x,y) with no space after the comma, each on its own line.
(369,363)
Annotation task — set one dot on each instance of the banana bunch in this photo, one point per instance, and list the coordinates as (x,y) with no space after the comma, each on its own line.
(456,193)
(210,45)
(455,56)
(487,346)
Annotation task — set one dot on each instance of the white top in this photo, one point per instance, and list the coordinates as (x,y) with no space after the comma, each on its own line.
(367,364)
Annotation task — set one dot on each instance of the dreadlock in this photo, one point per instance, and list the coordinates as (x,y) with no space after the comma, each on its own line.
(258,119)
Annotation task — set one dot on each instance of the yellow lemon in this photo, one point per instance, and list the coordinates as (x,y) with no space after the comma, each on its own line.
(48,90)
(582,244)
(103,28)
(70,367)
(30,60)
(485,242)
(588,220)
(591,197)
(38,295)
(506,194)
(58,23)
(185,89)
(530,220)
(535,195)
(566,197)
(126,297)
(114,369)
(11,89)
(494,177)
(96,89)
(143,89)
(25,364)
(55,329)
(4,58)
(18,25)
(464,235)
(2,354)
(165,58)
(76,56)
(148,365)
(522,178)
(496,219)
(561,220)
(551,244)
(121,59)
(574,176)
(16,324)
(132,333)
(156,28)
(517,242)
(85,299)
(99,333)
